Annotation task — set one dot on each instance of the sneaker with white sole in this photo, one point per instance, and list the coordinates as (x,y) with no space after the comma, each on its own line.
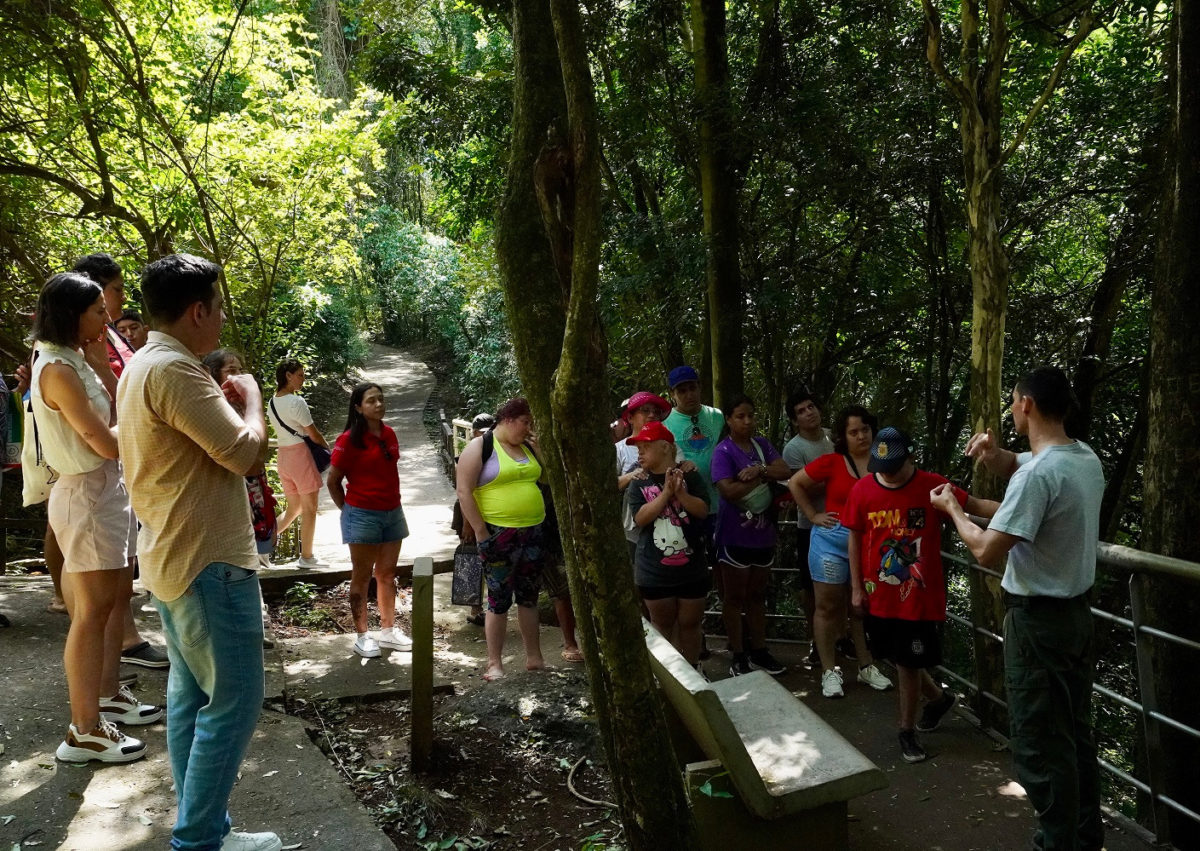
(910,747)
(124,708)
(873,677)
(146,655)
(310,562)
(367,647)
(104,744)
(762,660)
(831,683)
(394,639)
(238,841)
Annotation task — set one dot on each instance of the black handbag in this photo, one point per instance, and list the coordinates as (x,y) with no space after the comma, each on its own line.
(320,455)
(468,576)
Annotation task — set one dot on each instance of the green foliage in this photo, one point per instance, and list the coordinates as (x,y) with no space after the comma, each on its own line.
(299,609)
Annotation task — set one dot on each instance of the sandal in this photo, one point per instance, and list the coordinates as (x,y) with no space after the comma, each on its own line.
(573,655)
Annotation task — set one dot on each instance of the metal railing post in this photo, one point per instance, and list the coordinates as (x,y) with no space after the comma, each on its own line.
(422,664)
(1149,701)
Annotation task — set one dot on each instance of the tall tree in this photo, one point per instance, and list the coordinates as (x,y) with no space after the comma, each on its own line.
(548,241)
(1172,488)
(719,194)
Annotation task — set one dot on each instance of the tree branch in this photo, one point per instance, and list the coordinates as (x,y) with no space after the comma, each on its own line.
(933,53)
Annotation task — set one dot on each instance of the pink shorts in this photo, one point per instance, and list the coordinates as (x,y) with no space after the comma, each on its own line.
(90,516)
(297,472)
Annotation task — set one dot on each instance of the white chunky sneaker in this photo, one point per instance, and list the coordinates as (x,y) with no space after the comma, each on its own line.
(874,678)
(367,647)
(124,708)
(394,639)
(831,683)
(104,744)
(238,841)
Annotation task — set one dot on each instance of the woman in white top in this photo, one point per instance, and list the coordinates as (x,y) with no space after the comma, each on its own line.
(298,474)
(71,392)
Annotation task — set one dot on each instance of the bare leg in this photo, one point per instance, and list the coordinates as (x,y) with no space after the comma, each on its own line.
(736,582)
(664,615)
(362,560)
(527,622)
(130,637)
(495,630)
(566,622)
(290,513)
(756,606)
(54,562)
(829,620)
(308,523)
(93,648)
(385,582)
(865,659)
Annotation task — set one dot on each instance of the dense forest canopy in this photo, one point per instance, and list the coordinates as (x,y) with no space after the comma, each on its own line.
(344,162)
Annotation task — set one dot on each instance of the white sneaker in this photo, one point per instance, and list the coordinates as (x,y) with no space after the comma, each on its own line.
(367,647)
(237,841)
(831,683)
(105,744)
(310,562)
(124,708)
(394,639)
(874,678)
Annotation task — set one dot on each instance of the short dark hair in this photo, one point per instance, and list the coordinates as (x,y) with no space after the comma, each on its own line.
(173,284)
(1050,388)
(843,420)
(516,407)
(796,397)
(735,403)
(215,361)
(281,372)
(64,298)
(100,267)
(131,314)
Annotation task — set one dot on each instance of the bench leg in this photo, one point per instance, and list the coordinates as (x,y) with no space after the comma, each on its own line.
(725,823)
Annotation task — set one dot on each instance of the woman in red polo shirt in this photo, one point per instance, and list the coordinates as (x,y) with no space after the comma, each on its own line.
(373,522)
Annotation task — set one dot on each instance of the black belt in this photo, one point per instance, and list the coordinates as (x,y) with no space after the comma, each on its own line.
(1018,601)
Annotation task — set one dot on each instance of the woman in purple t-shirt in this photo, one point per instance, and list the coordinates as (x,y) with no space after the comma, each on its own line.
(742,465)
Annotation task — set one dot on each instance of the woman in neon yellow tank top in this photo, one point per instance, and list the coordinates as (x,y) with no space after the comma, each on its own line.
(497,484)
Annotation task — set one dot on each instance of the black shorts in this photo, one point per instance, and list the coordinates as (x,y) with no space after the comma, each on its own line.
(693,590)
(745,557)
(913,644)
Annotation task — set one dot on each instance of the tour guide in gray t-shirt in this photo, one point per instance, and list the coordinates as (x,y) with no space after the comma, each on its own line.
(1048,525)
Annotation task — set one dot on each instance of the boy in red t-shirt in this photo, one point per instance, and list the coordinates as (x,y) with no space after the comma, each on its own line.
(895,554)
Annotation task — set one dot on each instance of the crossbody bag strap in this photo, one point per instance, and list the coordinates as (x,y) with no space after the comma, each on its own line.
(279,420)
(37,443)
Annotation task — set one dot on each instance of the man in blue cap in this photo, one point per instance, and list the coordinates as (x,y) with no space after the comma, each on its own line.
(696,426)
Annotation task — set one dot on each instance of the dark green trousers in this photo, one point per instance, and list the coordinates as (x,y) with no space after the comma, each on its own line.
(1049,666)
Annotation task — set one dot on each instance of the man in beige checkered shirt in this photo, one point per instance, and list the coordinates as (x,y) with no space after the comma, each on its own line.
(185,452)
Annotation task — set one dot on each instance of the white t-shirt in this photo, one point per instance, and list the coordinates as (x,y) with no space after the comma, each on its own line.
(293,410)
(1053,505)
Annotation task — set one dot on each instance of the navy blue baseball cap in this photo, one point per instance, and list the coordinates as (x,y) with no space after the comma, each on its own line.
(681,374)
(890,450)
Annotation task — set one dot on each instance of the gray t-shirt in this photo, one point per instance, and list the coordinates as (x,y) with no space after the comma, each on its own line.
(1053,505)
(800,451)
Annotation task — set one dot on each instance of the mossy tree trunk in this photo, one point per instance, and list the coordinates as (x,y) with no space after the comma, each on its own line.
(978,90)
(1172,487)
(719,183)
(551,208)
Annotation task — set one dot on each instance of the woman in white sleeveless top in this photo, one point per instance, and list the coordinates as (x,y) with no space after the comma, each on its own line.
(71,391)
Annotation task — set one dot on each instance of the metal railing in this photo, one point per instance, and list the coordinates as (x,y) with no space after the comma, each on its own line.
(1112,561)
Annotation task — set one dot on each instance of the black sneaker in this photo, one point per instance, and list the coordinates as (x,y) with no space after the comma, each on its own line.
(845,649)
(910,748)
(935,711)
(741,665)
(762,660)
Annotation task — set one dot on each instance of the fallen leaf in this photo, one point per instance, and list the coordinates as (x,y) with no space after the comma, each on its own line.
(442,793)
(271,773)
(146,820)
(108,805)
(8,819)
(292,847)
(386,682)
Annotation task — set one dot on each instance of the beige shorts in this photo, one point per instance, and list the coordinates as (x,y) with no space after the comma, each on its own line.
(297,471)
(90,516)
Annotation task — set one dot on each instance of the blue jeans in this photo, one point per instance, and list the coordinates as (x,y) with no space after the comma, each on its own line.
(214,696)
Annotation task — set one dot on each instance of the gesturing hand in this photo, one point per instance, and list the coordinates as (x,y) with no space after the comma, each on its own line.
(982,446)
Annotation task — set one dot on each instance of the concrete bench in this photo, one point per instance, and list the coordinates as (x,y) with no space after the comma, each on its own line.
(792,773)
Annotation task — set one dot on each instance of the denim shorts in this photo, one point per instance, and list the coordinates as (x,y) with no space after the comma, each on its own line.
(827,560)
(367,526)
